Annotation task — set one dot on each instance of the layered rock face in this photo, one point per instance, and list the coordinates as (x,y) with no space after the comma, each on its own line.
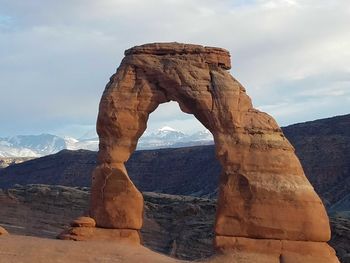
(265,202)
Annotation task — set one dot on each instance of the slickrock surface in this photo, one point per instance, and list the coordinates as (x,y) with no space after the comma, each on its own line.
(180,226)
(15,249)
(22,249)
(263,192)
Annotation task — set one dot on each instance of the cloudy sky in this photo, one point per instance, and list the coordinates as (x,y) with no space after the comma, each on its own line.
(293,56)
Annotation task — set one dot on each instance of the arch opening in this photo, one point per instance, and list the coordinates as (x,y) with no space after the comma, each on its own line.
(173,148)
(182,163)
(173,128)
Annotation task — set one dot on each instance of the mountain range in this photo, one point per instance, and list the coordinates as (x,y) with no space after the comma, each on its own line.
(165,137)
(31,145)
(45,144)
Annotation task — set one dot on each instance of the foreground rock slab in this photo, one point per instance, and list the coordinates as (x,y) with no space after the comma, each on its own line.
(24,249)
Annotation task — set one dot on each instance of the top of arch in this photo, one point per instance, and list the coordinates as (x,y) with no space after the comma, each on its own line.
(212,55)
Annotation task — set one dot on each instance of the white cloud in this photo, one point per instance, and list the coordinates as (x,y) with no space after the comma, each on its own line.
(56,56)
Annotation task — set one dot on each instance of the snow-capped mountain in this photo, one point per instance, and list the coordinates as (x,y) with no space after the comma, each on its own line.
(163,137)
(44,144)
(31,145)
(168,137)
(201,136)
(86,144)
(88,135)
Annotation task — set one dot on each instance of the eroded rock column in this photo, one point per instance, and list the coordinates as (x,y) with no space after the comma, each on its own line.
(265,205)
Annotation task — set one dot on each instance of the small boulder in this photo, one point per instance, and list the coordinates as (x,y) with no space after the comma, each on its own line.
(101,234)
(83,221)
(3,231)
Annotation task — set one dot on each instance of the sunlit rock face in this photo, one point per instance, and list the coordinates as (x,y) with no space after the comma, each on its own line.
(265,203)
(3,231)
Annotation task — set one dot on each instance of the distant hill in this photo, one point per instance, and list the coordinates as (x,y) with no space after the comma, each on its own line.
(323,147)
(186,171)
(6,161)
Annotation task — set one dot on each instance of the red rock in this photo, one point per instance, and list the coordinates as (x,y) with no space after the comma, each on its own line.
(29,249)
(83,221)
(277,250)
(307,252)
(115,201)
(263,192)
(100,234)
(3,231)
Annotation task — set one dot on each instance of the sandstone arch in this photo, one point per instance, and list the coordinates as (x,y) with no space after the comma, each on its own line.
(265,204)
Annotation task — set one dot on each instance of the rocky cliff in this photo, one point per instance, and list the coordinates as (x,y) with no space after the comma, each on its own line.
(179,226)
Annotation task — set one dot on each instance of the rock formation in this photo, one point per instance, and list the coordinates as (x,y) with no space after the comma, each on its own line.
(3,231)
(83,221)
(265,204)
